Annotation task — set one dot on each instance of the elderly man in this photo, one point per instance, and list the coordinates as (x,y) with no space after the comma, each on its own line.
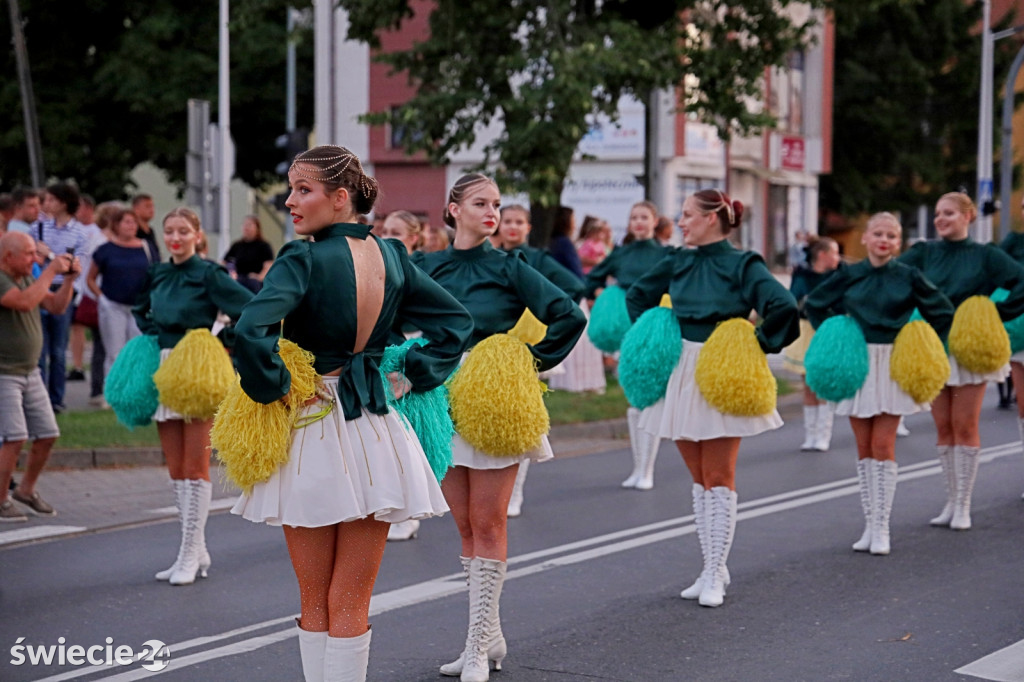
(25,411)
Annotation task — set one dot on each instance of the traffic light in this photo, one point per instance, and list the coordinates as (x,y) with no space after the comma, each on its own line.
(293,143)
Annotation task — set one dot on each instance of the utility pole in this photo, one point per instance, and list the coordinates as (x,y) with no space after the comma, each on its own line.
(227,156)
(28,98)
(983,225)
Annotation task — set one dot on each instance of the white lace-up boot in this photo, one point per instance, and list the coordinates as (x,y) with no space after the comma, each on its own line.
(515,502)
(193,525)
(632,420)
(823,437)
(885,491)
(810,427)
(486,578)
(866,481)
(496,649)
(346,658)
(966,463)
(647,452)
(312,646)
(720,507)
(949,472)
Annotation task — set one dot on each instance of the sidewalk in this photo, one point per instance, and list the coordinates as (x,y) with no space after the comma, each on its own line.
(108,488)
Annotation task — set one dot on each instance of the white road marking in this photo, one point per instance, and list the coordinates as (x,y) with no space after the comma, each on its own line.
(1005,665)
(215,505)
(621,541)
(35,532)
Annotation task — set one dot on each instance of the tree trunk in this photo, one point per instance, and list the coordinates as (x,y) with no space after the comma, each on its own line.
(542,219)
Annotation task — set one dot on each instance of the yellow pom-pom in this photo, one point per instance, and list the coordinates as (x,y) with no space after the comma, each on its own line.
(251,439)
(732,371)
(497,400)
(196,375)
(304,378)
(977,338)
(529,329)
(666,301)
(919,364)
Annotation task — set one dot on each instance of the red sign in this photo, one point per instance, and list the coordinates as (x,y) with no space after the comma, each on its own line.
(792,149)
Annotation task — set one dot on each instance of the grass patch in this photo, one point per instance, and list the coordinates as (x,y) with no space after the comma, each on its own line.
(100,429)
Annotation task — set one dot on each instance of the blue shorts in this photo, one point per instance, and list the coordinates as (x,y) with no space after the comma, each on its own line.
(25,410)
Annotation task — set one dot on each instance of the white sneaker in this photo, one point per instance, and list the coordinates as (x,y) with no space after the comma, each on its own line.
(403,530)
(100,402)
(902,429)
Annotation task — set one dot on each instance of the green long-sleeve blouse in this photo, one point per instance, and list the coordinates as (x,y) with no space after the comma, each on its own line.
(178,297)
(964,268)
(880,299)
(1013,245)
(312,287)
(559,275)
(626,264)
(495,287)
(714,283)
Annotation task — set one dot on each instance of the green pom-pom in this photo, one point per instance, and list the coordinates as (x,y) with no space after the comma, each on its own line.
(1015,327)
(837,359)
(129,387)
(426,411)
(650,351)
(609,320)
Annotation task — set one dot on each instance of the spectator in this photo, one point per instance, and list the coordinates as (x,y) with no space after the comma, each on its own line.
(144,210)
(85,312)
(798,250)
(250,257)
(121,264)
(561,246)
(6,210)
(26,209)
(26,411)
(61,234)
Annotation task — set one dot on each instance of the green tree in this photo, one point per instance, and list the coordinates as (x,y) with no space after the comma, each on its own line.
(112,79)
(906,103)
(544,70)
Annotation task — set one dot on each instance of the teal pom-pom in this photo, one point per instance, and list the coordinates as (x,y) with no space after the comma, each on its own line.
(129,387)
(1015,327)
(837,359)
(609,320)
(915,316)
(426,411)
(650,351)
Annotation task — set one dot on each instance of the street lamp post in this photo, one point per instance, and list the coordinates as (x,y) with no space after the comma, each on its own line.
(983,226)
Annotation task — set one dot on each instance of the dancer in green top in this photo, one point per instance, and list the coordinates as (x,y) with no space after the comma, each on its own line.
(961,268)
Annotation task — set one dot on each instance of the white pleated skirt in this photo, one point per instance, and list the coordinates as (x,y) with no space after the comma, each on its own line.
(584,366)
(958,376)
(879,394)
(465,455)
(684,414)
(164,413)
(340,470)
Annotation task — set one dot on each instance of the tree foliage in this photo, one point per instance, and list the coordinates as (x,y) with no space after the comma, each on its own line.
(544,70)
(112,79)
(907,77)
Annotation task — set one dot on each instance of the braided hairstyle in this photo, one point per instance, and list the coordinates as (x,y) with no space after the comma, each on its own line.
(337,167)
(729,212)
(463,186)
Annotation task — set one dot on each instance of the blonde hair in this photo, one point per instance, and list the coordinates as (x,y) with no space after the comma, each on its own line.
(963,203)
(885,217)
(650,206)
(460,189)
(188,215)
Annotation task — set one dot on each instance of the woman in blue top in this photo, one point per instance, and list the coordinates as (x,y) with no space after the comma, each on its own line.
(355,466)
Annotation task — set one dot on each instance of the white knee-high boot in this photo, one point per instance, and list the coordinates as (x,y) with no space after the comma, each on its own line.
(966,459)
(866,481)
(720,506)
(824,430)
(810,427)
(312,646)
(885,491)
(647,451)
(701,522)
(193,525)
(949,472)
(632,419)
(496,649)
(346,658)
(515,503)
(486,578)
(179,500)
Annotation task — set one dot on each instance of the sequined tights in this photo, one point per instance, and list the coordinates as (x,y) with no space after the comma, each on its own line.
(336,567)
